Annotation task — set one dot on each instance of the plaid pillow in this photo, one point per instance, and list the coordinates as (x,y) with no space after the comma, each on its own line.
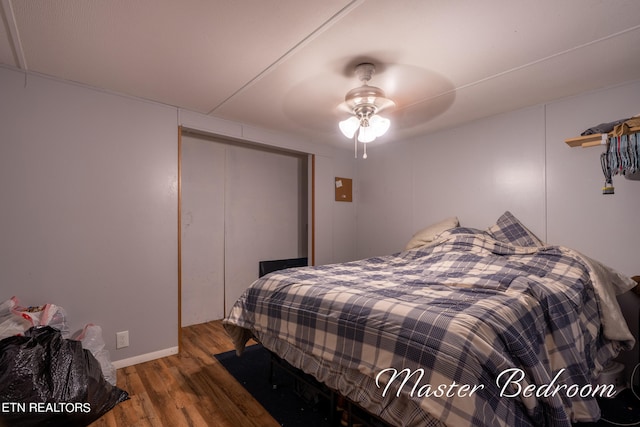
(509,229)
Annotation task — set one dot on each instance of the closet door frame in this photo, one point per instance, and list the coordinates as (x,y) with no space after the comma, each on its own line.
(310,213)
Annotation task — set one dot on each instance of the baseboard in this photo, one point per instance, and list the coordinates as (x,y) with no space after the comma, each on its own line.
(123,363)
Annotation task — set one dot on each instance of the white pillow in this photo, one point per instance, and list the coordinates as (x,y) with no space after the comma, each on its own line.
(426,235)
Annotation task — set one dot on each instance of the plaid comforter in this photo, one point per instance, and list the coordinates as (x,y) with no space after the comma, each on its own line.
(461,311)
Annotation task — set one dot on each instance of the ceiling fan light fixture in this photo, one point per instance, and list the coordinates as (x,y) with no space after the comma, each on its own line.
(364,103)
(366,134)
(349,126)
(379,124)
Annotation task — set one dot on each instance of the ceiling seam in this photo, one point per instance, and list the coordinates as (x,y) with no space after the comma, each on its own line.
(520,67)
(325,25)
(16,43)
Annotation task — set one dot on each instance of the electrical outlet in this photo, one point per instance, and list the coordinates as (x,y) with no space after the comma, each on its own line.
(122,339)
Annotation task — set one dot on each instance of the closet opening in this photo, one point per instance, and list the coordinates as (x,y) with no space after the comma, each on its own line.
(239,203)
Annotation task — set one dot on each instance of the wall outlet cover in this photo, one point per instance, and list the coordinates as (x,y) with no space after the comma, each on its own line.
(122,339)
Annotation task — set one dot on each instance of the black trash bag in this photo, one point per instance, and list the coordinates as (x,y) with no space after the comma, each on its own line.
(46,380)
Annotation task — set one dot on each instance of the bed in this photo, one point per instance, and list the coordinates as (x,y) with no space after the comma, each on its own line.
(472,328)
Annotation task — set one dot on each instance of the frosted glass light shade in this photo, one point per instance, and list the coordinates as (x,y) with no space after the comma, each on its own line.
(349,126)
(366,134)
(379,125)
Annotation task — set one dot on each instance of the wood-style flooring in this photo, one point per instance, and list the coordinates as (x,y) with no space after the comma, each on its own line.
(189,389)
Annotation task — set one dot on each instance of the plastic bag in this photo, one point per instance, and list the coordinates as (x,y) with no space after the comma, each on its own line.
(45,315)
(10,323)
(15,320)
(91,339)
(46,379)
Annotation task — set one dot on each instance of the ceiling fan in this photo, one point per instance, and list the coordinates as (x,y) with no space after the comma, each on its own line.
(364,103)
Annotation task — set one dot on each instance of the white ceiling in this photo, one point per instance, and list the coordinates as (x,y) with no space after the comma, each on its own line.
(287,64)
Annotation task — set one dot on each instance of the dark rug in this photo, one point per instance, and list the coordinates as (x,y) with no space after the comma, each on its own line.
(290,402)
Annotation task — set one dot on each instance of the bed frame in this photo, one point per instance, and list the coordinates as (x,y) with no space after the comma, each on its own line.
(350,413)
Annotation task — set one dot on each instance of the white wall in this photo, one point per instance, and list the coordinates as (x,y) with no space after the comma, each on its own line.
(89,208)
(335,221)
(384,200)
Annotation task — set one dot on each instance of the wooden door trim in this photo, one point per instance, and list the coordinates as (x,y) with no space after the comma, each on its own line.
(179,239)
(313,209)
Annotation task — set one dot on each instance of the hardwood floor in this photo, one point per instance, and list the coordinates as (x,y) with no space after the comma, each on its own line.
(189,389)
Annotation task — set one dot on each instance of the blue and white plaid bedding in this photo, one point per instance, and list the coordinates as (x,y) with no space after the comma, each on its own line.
(467,310)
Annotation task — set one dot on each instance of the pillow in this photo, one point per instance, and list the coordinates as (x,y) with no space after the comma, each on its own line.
(508,229)
(426,235)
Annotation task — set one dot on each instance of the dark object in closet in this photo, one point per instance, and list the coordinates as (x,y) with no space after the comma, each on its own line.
(266,267)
